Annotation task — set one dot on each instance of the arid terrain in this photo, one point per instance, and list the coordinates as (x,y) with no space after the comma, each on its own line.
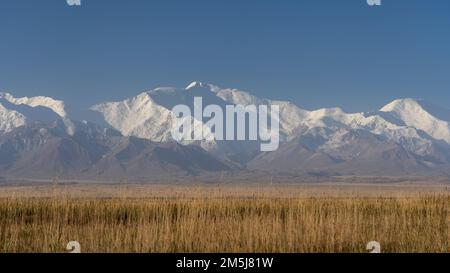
(305,217)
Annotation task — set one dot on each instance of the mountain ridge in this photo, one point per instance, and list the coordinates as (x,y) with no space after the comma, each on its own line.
(405,137)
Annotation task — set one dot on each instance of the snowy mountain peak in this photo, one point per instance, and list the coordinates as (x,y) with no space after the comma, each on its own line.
(197,84)
(139,116)
(56,106)
(10,119)
(401,105)
(413,113)
(53,105)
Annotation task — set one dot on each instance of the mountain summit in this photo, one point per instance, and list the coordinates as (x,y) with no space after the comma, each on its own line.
(413,113)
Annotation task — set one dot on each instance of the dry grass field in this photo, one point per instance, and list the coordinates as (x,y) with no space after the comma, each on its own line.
(223,219)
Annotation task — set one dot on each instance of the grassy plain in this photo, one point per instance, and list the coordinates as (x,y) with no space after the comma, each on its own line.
(225,218)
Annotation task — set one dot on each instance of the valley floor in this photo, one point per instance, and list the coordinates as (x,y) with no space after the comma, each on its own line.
(324,217)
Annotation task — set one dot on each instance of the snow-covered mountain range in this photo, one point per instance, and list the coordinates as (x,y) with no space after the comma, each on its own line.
(405,137)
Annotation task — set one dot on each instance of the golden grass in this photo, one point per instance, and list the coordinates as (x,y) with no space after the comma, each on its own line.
(223,223)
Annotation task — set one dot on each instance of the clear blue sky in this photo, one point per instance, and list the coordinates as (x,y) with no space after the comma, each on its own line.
(316,53)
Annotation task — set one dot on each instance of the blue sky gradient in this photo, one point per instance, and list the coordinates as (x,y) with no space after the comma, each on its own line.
(316,53)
